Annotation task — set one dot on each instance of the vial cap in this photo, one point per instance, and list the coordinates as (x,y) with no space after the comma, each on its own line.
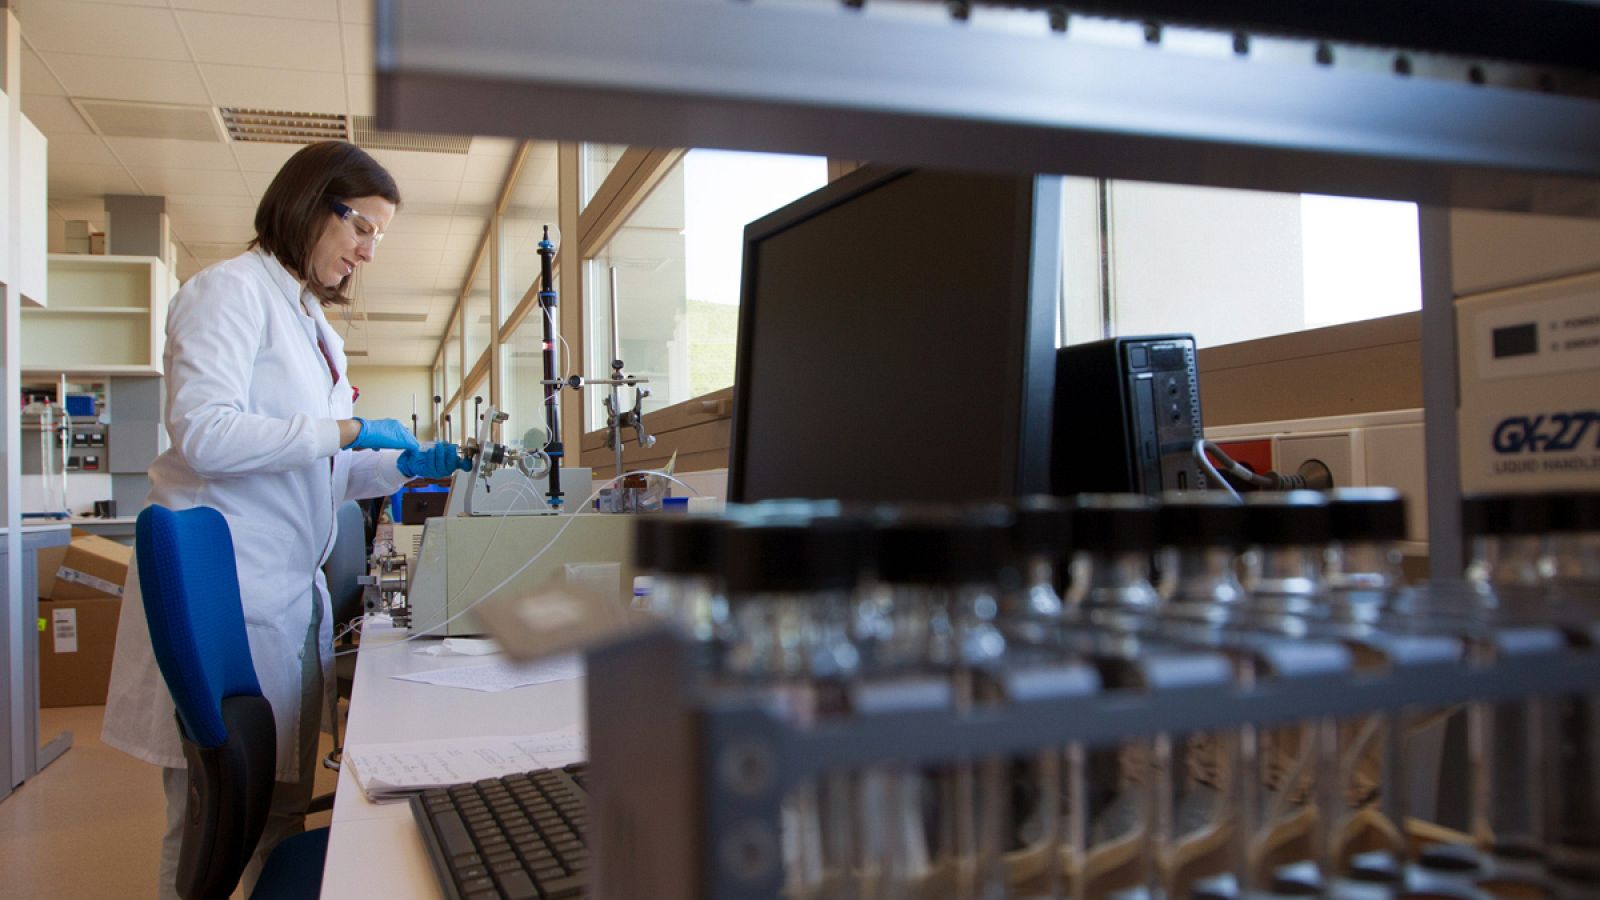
(688,545)
(934,545)
(1043,526)
(1200,519)
(817,554)
(1367,514)
(1286,519)
(644,542)
(1575,512)
(1505,514)
(1114,522)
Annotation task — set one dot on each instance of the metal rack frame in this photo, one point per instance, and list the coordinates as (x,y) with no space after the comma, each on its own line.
(646,718)
(1003,88)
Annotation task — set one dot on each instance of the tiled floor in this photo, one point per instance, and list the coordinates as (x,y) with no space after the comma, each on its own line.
(90,825)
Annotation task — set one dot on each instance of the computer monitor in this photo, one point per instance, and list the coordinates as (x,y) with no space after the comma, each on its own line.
(897,338)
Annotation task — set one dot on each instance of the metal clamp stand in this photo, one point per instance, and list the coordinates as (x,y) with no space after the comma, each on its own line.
(616,418)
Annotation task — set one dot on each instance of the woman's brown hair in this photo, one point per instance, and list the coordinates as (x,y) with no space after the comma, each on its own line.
(298,205)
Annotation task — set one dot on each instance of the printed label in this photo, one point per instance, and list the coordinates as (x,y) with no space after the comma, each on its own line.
(1553,443)
(66,630)
(87,580)
(1560,335)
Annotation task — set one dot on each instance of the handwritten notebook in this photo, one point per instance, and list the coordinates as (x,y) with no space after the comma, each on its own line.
(394,771)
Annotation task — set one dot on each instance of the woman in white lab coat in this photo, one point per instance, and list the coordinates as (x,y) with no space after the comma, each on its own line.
(259,412)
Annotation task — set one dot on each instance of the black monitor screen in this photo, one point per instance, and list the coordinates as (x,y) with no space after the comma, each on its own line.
(897,340)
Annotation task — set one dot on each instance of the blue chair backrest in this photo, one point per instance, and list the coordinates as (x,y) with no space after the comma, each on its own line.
(191,603)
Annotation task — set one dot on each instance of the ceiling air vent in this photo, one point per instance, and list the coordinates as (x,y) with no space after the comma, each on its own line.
(278,127)
(365,134)
(396,317)
(122,118)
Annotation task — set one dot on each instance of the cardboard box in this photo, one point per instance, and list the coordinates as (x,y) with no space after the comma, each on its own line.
(92,566)
(75,650)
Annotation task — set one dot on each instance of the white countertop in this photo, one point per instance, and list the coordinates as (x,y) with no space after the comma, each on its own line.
(375,850)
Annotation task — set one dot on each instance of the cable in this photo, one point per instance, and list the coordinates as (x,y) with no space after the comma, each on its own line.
(524,567)
(1211,470)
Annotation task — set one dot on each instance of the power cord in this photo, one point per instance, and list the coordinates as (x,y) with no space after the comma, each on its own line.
(1312,474)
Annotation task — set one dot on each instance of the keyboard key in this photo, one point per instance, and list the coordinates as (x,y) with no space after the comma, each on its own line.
(453,834)
(563,888)
(518,886)
(549,873)
(469,885)
(466,860)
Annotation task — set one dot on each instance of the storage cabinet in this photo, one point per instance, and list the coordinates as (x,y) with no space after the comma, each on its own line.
(107,316)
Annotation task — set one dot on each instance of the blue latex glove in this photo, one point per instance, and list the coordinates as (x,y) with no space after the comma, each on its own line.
(383,434)
(438,461)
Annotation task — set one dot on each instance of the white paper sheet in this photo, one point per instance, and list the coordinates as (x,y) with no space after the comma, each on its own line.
(391,771)
(501,676)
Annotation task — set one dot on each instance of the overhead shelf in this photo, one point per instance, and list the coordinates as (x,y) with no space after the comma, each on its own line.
(1011,89)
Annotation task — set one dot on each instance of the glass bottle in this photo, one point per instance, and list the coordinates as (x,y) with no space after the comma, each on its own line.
(1572,782)
(1202,849)
(1045,818)
(945,567)
(791,593)
(686,585)
(1110,600)
(1508,573)
(1365,582)
(1289,796)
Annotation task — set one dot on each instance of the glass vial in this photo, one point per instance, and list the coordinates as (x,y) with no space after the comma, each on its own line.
(791,593)
(1201,852)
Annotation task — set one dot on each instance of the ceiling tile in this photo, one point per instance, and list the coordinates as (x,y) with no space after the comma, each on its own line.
(491,169)
(477,194)
(254,156)
(261,41)
(68,26)
(199,221)
(385,274)
(118,78)
(408,166)
(37,77)
(492,147)
(281,89)
(543,149)
(320,10)
(419,191)
(356,10)
(431,210)
(363,94)
(54,115)
(257,182)
(406,222)
(175,180)
(80,149)
(357,49)
(416,247)
(172,154)
(84,208)
(73,181)
(472,225)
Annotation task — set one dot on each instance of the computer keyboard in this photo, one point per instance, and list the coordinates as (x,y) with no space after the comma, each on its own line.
(521,837)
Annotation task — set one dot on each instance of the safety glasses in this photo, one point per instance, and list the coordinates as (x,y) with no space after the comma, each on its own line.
(367,231)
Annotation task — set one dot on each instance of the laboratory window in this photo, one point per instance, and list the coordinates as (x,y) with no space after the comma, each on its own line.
(676,260)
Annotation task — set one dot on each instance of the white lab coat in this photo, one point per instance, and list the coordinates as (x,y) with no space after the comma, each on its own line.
(252,415)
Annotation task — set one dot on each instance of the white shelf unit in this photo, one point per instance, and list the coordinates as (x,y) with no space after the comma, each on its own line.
(107,316)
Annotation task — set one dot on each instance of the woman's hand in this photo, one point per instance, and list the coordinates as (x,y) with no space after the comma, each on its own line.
(438,461)
(378,434)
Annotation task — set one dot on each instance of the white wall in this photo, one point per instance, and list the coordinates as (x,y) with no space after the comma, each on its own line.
(386,393)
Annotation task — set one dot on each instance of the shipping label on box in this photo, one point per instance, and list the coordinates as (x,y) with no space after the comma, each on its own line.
(66,630)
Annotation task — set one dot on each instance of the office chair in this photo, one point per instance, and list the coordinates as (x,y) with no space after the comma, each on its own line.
(192,606)
(343,570)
